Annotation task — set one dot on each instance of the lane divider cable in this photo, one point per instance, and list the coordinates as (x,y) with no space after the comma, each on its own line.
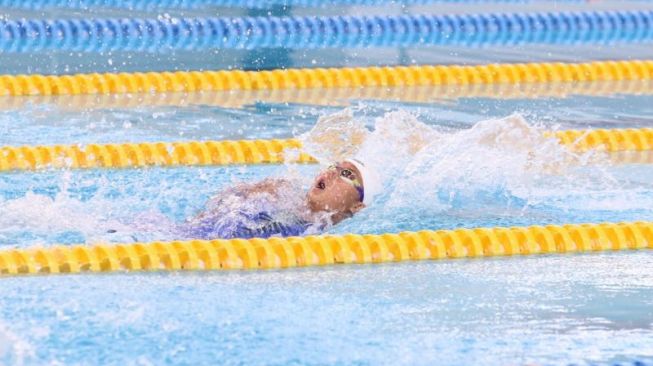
(275,253)
(226,152)
(194,81)
(311,32)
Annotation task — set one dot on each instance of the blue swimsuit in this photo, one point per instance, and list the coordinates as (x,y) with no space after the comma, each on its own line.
(245,226)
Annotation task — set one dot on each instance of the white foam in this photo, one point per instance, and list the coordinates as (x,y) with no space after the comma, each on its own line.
(503,159)
(43,215)
(497,164)
(13,349)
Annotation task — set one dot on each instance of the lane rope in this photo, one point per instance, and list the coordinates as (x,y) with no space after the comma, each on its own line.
(148,154)
(321,250)
(334,96)
(195,4)
(250,151)
(180,81)
(310,32)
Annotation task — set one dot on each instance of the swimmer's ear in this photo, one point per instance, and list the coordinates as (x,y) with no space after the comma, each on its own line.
(357,207)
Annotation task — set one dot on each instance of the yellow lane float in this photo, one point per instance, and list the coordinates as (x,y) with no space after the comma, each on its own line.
(193,81)
(250,151)
(320,250)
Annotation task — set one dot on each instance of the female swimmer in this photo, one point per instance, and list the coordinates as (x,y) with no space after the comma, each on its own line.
(276,207)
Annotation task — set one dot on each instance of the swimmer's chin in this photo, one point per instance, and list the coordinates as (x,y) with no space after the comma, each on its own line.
(327,214)
(311,204)
(315,208)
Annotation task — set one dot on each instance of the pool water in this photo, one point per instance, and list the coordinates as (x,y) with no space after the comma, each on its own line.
(462,186)
(593,308)
(581,309)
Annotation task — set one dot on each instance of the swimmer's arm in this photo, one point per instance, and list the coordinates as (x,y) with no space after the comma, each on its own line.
(269,186)
(266,186)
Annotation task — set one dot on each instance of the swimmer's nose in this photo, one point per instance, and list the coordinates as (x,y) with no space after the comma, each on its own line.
(331,173)
(324,178)
(325,175)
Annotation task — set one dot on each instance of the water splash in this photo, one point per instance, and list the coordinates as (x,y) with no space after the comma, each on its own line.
(426,166)
(250,205)
(62,217)
(13,349)
(500,160)
(500,171)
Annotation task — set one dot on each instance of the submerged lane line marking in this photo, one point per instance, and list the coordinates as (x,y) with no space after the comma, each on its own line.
(310,251)
(251,151)
(193,81)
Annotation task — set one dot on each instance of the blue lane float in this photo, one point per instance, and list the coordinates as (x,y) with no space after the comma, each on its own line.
(198,4)
(473,30)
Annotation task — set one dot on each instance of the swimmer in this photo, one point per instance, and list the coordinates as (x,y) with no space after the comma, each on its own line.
(276,207)
(284,207)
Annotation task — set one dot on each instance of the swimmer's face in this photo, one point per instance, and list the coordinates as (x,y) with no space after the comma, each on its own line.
(331,192)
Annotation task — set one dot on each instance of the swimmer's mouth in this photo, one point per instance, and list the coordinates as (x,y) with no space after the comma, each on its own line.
(320,184)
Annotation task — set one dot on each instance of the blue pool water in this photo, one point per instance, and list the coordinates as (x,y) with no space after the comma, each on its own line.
(584,309)
(455,184)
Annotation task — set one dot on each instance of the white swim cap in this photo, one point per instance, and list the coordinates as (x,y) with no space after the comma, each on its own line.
(372,184)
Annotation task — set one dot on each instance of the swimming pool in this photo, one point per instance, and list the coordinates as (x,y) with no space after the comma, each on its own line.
(549,309)
(590,308)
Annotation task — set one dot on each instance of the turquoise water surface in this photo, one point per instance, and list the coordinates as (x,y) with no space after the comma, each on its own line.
(582,309)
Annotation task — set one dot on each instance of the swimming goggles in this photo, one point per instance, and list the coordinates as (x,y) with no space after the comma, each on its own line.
(350,177)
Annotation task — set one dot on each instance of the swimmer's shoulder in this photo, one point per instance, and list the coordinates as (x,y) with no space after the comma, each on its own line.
(269,185)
